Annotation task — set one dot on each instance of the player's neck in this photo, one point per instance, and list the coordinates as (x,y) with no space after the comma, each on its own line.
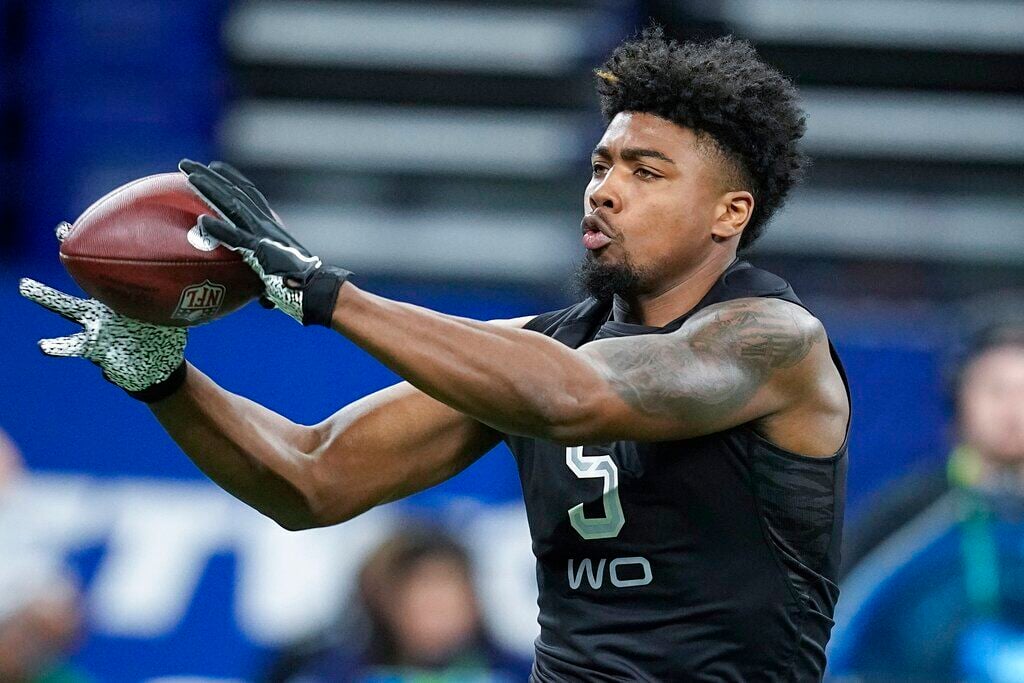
(677,296)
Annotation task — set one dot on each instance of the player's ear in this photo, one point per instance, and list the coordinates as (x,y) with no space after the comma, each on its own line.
(732,213)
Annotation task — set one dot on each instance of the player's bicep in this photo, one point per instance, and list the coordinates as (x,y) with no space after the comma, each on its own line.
(730,364)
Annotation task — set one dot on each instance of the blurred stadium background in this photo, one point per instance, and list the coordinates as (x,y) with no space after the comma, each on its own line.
(440,151)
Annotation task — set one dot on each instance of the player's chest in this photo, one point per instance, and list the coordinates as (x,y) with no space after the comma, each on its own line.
(588,493)
(626,491)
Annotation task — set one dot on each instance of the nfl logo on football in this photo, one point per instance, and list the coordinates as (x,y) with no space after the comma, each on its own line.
(199,302)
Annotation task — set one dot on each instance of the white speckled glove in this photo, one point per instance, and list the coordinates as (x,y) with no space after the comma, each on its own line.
(147,361)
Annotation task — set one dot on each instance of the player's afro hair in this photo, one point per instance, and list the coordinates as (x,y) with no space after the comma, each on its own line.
(720,89)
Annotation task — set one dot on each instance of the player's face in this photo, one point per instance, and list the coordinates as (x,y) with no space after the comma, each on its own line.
(992,404)
(653,196)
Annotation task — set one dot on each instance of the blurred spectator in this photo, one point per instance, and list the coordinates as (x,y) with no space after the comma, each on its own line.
(40,611)
(934,581)
(415,617)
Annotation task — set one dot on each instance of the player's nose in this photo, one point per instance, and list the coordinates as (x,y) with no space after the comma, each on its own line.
(605,196)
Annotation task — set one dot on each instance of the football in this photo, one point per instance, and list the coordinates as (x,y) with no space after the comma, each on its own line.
(141,251)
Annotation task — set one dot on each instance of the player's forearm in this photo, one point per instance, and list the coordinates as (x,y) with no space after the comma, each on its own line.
(253,453)
(513,380)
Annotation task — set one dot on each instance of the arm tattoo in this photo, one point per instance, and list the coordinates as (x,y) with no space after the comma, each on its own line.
(714,364)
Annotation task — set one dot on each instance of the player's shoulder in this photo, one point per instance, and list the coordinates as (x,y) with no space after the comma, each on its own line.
(748,310)
(766,328)
(746,295)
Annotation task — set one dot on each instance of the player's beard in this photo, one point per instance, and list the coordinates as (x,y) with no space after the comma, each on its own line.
(604,280)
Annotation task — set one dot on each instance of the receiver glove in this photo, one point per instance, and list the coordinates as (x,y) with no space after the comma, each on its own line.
(147,361)
(296,281)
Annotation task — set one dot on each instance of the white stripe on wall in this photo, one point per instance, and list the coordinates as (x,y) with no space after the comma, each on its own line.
(412,35)
(413,138)
(976,25)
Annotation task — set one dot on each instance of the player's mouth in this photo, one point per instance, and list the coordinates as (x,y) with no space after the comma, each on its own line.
(595,232)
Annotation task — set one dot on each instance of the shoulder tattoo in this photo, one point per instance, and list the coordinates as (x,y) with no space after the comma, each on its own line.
(716,362)
(767,334)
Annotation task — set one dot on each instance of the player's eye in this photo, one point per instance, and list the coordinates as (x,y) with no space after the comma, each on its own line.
(599,169)
(645,174)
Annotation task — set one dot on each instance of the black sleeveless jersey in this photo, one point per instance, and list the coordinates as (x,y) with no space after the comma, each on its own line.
(706,559)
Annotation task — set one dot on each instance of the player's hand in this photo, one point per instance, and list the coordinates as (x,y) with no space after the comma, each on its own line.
(296,281)
(147,361)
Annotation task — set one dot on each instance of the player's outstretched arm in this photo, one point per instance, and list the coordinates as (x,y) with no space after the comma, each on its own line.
(383,447)
(732,363)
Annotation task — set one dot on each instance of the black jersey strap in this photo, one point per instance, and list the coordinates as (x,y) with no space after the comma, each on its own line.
(573,325)
(739,281)
(592,319)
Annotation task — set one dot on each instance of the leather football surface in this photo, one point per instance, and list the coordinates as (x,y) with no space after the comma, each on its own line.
(140,251)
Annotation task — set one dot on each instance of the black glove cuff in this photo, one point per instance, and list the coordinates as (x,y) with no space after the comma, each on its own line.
(321,293)
(162,390)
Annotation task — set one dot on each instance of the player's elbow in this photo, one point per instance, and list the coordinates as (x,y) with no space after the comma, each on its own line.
(331,513)
(315,518)
(575,417)
(318,509)
(331,491)
(293,522)
(309,508)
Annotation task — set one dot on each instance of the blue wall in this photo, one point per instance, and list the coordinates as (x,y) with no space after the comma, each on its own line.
(107,92)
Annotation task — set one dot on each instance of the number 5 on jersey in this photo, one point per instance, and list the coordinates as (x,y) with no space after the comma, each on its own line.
(593,467)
